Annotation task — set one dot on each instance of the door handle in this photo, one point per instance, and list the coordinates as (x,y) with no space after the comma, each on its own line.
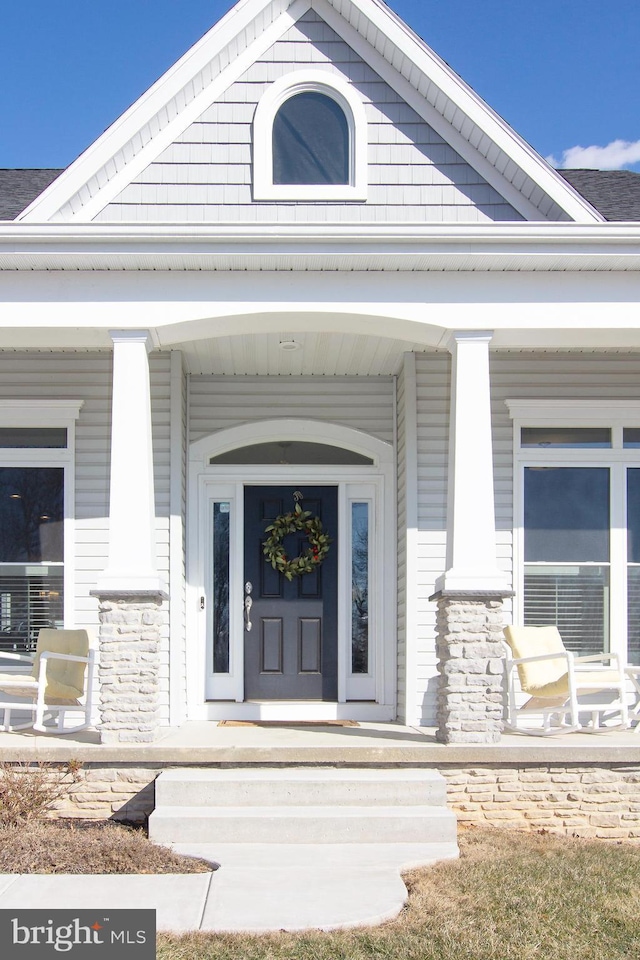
(248,603)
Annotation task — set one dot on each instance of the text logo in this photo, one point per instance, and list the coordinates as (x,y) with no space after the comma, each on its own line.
(79,934)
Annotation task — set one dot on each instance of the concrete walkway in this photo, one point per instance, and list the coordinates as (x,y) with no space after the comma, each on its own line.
(257,888)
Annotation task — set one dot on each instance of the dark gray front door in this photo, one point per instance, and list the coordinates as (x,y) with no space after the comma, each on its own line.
(291,650)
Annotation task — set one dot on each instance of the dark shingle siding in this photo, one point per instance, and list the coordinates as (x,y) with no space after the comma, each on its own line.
(19,187)
(614,193)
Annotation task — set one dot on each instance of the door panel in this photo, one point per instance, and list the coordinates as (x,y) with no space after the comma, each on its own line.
(291,650)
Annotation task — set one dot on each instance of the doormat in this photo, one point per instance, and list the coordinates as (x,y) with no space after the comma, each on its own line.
(288,723)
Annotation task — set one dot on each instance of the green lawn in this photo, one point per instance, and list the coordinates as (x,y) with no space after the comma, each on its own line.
(511,895)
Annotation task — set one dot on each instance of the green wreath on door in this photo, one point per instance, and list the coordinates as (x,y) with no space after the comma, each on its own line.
(297,520)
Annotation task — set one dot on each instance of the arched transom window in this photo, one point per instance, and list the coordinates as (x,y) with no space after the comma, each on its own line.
(310,140)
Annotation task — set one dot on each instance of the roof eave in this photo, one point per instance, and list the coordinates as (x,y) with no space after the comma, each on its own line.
(25,246)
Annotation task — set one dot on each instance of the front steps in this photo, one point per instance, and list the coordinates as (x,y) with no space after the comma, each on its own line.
(302,805)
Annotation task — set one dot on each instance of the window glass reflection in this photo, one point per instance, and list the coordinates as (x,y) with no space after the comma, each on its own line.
(568,438)
(360,587)
(31,514)
(566,514)
(221,517)
(31,554)
(310,141)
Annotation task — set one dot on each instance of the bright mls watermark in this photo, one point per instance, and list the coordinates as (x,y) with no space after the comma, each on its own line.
(80,934)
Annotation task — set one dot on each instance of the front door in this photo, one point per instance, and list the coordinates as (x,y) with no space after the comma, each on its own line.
(291,626)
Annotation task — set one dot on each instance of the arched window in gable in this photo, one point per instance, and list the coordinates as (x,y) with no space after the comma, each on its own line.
(310,140)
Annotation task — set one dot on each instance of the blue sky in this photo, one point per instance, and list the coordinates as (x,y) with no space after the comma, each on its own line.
(564,73)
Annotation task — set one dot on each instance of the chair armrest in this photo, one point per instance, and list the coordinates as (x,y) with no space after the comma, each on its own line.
(16,656)
(49,655)
(596,658)
(561,655)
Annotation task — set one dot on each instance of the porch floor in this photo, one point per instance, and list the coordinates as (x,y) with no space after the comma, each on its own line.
(197,743)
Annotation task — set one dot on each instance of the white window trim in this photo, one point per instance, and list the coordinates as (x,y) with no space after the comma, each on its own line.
(314,81)
(574,413)
(362,686)
(615,414)
(49,413)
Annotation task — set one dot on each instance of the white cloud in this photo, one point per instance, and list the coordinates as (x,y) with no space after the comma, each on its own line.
(617,154)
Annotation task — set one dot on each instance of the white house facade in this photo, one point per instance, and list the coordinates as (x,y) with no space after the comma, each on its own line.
(311,267)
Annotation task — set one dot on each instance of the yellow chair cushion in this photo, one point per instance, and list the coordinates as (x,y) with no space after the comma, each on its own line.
(18,685)
(545,678)
(65,678)
(548,678)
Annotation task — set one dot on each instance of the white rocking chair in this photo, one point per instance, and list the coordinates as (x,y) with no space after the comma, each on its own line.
(557,682)
(61,681)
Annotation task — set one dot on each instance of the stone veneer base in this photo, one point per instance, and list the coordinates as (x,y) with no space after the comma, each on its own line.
(471,668)
(597,800)
(129,667)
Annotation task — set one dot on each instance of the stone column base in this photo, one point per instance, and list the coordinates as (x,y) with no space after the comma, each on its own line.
(470,663)
(129,666)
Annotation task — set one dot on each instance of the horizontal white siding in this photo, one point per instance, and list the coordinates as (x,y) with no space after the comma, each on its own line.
(433,386)
(87,377)
(364,403)
(178,546)
(206,174)
(402,544)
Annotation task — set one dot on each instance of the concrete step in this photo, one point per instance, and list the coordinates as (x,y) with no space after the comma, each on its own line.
(299,786)
(302,824)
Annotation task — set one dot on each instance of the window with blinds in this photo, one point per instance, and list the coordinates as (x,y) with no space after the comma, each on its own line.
(577,535)
(28,603)
(573,598)
(567,552)
(633,560)
(31,554)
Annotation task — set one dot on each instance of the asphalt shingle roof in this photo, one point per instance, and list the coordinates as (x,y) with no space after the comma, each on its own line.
(614,193)
(19,187)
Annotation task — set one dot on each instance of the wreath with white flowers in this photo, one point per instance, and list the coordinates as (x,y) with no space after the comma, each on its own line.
(308,561)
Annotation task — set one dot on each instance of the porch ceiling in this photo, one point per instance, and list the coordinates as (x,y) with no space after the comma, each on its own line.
(324,354)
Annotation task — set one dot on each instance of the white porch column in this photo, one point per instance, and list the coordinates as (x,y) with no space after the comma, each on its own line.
(471,527)
(471,590)
(132,535)
(130,591)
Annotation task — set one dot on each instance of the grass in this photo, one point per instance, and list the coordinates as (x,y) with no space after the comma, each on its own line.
(70,846)
(511,896)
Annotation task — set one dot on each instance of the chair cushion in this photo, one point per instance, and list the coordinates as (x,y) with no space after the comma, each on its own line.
(18,685)
(591,681)
(549,678)
(545,678)
(586,682)
(65,678)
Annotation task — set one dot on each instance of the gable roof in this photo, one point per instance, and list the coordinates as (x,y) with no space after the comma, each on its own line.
(381,38)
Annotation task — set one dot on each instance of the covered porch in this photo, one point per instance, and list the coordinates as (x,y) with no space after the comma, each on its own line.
(174,371)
